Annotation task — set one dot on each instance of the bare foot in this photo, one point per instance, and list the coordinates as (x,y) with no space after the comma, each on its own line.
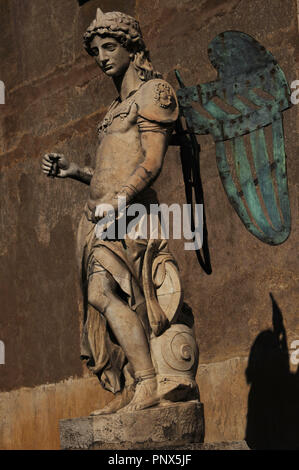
(145,396)
(118,402)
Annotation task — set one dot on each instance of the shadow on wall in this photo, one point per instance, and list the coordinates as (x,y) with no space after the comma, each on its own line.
(273,401)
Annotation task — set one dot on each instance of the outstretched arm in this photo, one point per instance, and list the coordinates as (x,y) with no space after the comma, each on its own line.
(56,165)
(82,174)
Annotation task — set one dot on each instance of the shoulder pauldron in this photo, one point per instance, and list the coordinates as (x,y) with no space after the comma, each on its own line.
(157,101)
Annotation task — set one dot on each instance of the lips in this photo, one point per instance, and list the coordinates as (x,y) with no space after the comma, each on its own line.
(107,67)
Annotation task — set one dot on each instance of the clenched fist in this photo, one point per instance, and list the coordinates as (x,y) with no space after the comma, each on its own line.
(56,165)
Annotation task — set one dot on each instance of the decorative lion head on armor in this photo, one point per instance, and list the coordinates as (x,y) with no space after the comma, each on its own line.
(126,30)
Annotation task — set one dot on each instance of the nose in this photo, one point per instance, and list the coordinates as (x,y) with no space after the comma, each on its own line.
(102,57)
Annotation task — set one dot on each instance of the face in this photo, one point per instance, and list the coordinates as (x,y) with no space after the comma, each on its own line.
(110,56)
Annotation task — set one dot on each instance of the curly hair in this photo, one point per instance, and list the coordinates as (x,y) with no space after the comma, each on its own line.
(126,30)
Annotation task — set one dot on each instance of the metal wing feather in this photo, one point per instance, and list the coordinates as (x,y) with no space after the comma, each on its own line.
(250,81)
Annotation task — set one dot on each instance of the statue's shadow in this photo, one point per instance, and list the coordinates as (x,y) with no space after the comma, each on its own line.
(194,193)
(273,405)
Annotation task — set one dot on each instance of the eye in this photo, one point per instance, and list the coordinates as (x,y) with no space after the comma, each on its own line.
(110,47)
(95,51)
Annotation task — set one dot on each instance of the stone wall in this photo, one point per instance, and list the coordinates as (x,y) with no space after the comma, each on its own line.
(55,95)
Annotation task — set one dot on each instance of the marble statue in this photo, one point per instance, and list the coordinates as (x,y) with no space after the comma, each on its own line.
(137,334)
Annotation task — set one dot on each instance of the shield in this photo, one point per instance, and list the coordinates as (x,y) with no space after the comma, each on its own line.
(169,290)
(250,94)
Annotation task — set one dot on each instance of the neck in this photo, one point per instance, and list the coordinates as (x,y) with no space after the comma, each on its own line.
(127,83)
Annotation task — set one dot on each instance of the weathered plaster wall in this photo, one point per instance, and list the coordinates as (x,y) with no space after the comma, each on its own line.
(55,97)
(30,416)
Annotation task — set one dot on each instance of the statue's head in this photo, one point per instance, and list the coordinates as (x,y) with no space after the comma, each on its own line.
(126,31)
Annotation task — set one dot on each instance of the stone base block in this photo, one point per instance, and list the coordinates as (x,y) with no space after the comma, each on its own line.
(175,424)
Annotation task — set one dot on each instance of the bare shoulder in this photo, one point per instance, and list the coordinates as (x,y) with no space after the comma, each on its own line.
(157,101)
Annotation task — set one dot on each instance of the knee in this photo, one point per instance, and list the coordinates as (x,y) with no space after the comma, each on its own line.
(101,292)
(99,300)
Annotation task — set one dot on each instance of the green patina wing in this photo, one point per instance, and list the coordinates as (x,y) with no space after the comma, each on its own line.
(251,92)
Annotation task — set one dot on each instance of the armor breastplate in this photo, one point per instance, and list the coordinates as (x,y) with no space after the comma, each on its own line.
(118,112)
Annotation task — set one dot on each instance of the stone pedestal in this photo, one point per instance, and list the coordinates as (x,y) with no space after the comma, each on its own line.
(174,424)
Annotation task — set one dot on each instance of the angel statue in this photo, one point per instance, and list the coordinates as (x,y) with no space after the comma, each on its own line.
(137,333)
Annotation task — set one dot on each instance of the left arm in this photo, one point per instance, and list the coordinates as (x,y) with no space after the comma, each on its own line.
(154,145)
(157,110)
